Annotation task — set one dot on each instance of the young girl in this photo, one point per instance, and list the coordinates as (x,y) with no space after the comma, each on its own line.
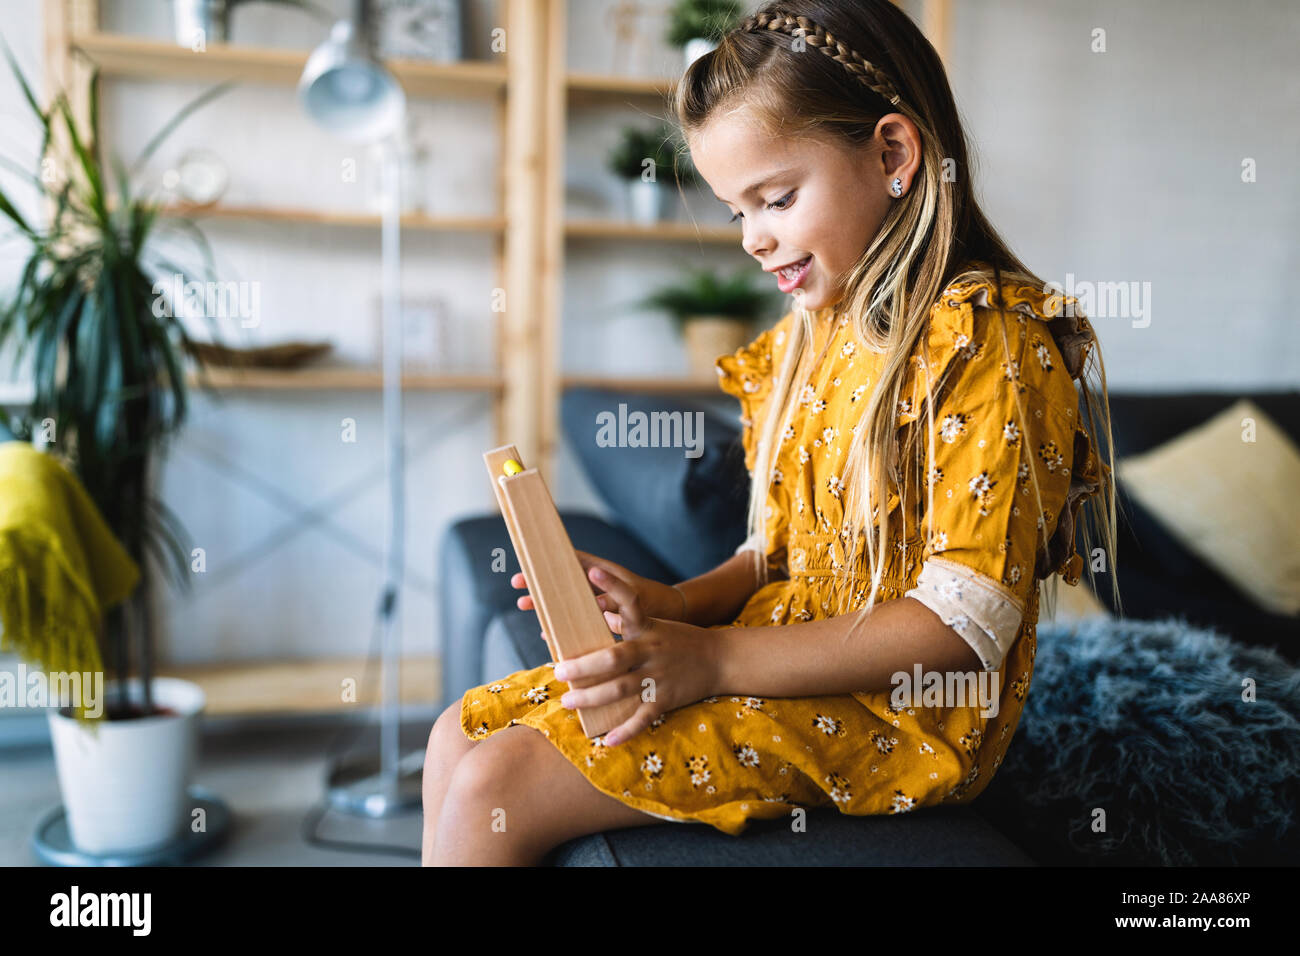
(922,367)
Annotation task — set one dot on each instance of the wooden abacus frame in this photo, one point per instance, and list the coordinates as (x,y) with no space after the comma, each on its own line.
(566,605)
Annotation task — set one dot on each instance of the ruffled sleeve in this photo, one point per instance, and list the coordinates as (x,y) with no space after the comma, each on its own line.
(1006,419)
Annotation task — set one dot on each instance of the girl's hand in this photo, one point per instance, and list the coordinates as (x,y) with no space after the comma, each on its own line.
(656,600)
(663,664)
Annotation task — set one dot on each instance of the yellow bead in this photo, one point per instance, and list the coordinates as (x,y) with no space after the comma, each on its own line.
(512,467)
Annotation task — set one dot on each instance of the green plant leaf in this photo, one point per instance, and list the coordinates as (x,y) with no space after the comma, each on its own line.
(22,80)
(701,19)
(88,167)
(705,293)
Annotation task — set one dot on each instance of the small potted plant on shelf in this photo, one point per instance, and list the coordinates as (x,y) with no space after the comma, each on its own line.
(647,160)
(93,305)
(714,313)
(697,25)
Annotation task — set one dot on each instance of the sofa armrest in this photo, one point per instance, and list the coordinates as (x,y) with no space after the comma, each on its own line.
(471,593)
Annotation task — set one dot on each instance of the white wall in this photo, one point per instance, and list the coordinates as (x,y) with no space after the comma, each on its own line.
(1126,166)
(1116,166)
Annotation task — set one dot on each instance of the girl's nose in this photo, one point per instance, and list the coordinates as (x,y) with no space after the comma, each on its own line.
(755,241)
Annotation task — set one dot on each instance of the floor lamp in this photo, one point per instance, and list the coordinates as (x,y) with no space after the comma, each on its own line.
(348,91)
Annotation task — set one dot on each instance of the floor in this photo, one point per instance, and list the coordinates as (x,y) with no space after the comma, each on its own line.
(271,779)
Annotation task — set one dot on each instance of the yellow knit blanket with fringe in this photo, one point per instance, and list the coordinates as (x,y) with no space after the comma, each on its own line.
(61,567)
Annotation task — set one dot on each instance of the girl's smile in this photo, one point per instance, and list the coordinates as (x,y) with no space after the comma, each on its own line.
(789,278)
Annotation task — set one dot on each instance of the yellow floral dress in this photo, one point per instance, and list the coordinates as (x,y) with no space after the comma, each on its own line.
(726,760)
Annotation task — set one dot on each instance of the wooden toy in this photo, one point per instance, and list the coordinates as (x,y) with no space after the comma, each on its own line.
(565,603)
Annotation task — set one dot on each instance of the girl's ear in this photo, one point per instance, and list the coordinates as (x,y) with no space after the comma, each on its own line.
(900,144)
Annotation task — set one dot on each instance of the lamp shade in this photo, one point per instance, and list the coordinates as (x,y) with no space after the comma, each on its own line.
(349,92)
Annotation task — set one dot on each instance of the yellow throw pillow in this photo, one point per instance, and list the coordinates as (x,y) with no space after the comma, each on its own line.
(1226,490)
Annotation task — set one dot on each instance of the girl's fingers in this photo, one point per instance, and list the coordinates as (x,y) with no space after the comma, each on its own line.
(605,693)
(589,561)
(604,664)
(615,622)
(644,716)
(517,580)
(629,606)
(603,601)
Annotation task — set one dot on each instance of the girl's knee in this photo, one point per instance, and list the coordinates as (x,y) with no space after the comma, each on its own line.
(447,739)
(498,765)
(448,723)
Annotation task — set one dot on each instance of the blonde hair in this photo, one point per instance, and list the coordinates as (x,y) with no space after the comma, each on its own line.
(875,62)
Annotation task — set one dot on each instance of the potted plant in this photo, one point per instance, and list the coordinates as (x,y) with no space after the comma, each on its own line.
(697,25)
(647,159)
(714,313)
(196,23)
(108,346)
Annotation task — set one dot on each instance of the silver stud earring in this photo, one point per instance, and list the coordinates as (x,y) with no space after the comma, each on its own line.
(896,187)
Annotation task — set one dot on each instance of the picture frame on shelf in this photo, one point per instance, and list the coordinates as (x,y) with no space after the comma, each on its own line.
(429,30)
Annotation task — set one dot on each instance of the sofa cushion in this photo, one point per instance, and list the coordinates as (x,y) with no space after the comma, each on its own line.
(513,642)
(934,836)
(689,511)
(1229,501)
(1158,576)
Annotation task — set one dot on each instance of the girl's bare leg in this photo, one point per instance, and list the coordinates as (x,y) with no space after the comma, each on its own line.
(447,745)
(515,797)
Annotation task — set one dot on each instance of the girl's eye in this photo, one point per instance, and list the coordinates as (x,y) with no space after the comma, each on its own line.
(782,202)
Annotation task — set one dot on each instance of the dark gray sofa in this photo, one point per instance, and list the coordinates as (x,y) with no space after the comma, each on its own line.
(680,516)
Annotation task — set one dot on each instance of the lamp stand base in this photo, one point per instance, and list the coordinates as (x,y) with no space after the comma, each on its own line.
(357,785)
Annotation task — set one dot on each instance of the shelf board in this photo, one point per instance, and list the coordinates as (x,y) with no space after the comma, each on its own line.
(661,232)
(307,686)
(421,221)
(354,379)
(624,383)
(600,86)
(125,55)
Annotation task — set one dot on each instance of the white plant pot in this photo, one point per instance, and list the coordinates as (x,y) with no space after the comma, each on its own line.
(696,48)
(645,202)
(193,18)
(125,790)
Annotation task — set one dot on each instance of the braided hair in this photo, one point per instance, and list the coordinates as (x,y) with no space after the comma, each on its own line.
(817,36)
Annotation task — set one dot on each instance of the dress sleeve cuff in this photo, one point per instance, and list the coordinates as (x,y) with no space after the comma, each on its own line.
(985,613)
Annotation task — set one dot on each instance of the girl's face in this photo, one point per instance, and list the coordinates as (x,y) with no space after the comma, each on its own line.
(809,208)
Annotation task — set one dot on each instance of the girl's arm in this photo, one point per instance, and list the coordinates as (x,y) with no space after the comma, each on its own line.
(717,596)
(820,657)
